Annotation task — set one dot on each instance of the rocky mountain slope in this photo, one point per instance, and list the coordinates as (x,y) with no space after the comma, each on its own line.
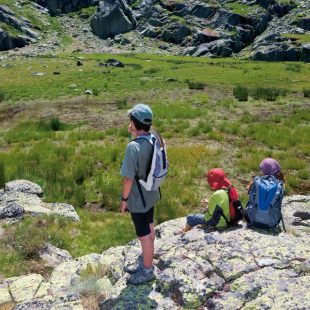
(238,268)
(273,30)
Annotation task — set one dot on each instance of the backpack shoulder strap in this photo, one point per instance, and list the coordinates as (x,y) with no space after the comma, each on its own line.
(149,137)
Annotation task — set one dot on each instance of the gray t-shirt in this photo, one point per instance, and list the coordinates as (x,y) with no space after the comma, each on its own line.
(135,163)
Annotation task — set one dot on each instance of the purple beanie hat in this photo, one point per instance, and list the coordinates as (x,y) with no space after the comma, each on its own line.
(269,166)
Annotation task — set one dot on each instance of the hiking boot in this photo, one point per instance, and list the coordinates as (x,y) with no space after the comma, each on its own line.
(141,276)
(133,268)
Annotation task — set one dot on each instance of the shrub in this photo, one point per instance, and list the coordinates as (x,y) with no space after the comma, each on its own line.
(193,132)
(215,136)
(269,94)
(241,93)
(151,71)
(88,282)
(306,92)
(205,127)
(95,91)
(55,124)
(195,85)
(29,237)
(122,104)
(293,67)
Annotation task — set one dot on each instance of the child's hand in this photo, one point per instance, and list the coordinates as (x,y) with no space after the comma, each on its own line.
(205,201)
(249,186)
(203,210)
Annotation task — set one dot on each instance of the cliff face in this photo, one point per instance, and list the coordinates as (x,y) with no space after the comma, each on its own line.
(238,268)
(272,30)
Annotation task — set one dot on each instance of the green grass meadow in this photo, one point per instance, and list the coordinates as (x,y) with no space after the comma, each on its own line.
(226,113)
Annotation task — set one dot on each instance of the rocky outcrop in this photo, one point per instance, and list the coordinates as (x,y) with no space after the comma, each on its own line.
(57,7)
(53,256)
(8,42)
(276,52)
(23,197)
(186,26)
(112,18)
(175,33)
(231,28)
(24,34)
(277,42)
(23,186)
(305,53)
(238,268)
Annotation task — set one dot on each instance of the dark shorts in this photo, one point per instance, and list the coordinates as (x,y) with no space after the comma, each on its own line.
(142,222)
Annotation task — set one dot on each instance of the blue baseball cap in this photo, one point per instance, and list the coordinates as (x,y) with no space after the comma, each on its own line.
(142,113)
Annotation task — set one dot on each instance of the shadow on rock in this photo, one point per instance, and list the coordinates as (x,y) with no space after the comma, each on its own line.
(130,297)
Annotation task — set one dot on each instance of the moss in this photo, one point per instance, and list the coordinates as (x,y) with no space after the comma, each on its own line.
(300,38)
(12,31)
(242,9)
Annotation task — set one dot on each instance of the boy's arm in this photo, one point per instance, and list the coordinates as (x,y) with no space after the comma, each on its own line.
(127,184)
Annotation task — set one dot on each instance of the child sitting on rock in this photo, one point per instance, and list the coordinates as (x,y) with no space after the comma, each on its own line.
(266,192)
(217,214)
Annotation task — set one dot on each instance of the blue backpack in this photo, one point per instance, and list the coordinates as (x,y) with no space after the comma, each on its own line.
(265,199)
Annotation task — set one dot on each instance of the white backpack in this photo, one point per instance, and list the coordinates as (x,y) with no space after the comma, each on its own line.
(158,167)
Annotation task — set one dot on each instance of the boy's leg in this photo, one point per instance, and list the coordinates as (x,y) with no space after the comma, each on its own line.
(146,234)
(152,231)
(147,244)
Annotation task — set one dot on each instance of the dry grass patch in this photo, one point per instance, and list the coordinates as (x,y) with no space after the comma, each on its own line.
(89,302)
(10,306)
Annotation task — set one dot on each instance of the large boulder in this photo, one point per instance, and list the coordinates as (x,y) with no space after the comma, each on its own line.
(276,52)
(203,11)
(175,33)
(24,186)
(205,36)
(304,23)
(113,17)
(279,8)
(23,196)
(12,210)
(218,48)
(53,256)
(8,42)
(57,7)
(305,53)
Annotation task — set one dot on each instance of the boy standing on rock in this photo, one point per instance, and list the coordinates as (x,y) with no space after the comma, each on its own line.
(139,202)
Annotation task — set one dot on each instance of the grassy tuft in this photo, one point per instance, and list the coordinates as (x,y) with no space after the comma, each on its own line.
(195,85)
(269,94)
(122,104)
(2,96)
(2,175)
(241,93)
(306,92)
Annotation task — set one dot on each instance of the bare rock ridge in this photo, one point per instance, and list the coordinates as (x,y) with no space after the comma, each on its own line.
(271,30)
(238,268)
